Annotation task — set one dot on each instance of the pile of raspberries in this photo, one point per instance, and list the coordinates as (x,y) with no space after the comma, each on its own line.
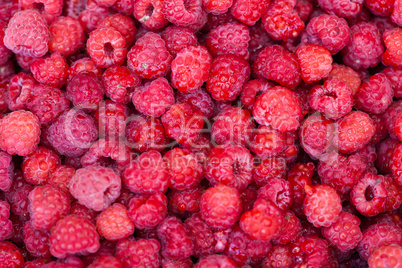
(200,133)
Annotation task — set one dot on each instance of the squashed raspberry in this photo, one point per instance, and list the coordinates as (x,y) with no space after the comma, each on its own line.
(85,90)
(150,14)
(252,89)
(139,253)
(147,211)
(37,165)
(113,223)
(66,36)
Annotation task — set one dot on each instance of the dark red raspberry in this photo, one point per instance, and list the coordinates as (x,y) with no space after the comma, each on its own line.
(183,12)
(292,228)
(269,169)
(113,223)
(278,108)
(51,71)
(201,234)
(267,142)
(147,211)
(299,176)
(386,256)
(6,171)
(111,119)
(10,255)
(279,191)
(383,23)
(214,20)
(69,262)
(106,261)
(66,36)
(310,251)
(85,91)
(119,83)
(347,75)
(381,131)
(190,68)
(36,241)
(83,65)
(392,39)
(278,256)
(394,194)
(123,24)
(3,96)
(394,75)
(220,206)
(139,253)
(219,261)
(315,62)
(200,100)
(176,243)
(92,15)
(248,12)
(149,58)
(73,235)
(5,54)
(176,38)
(84,212)
(385,151)
(17,196)
(150,14)
(37,165)
(147,174)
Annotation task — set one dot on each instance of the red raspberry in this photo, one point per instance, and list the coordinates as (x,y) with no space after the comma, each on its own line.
(139,253)
(381,131)
(111,119)
(267,142)
(279,192)
(85,90)
(72,133)
(277,64)
(106,47)
(61,176)
(69,262)
(114,223)
(5,54)
(149,58)
(119,83)
(182,123)
(36,241)
(176,243)
(95,187)
(24,29)
(105,3)
(19,91)
(147,174)
(183,12)
(92,15)
(214,20)
(347,75)
(47,205)
(106,261)
(146,133)
(66,36)
(201,235)
(248,12)
(6,171)
(216,6)
(147,211)
(315,62)
(51,71)
(394,75)
(394,195)
(278,256)
(263,222)
(392,39)
(322,205)
(19,133)
(37,165)
(269,169)
(84,212)
(252,89)
(292,228)
(219,261)
(177,38)
(278,108)
(37,263)
(190,68)
(364,49)
(378,235)
(310,251)
(380,8)
(220,206)
(10,255)
(396,163)
(299,176)
(83,65)
(200,100)
(123,24)
(328,31)
(73,8)
(49,9)
(383,23)
(385,150)
(17,196)
(150,14)
(7,230)
(386,256)
(73,235)
(396,15)
(341,8)
(390,117)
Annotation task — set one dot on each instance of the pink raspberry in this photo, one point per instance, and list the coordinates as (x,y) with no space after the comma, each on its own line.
(106,261)
(147,174)
(10,255)
(278,108)
(315,62)
(365,48)
(19,133)
(83,65)
(5,54)
(19,91)
(72,133)
(150,14)
(177,38)
(392,39)
(73,235)
(200,100)
(36,241)
(183,12)
(219,261)
(292,228)
(7,230)
(24,29)
(269,169)
(66,36)
(119,83)
(147,211)
(190,68)
(347,75)
(113,223)
(95,187)
(123,24)
(139,253)
(396,15)
(85,90)
(341,8)
(6,171)
(49,9)
(201,234)
(248,12)
(386,256)
(51,71)
(37,165)
(111,119)
(149,57)
(394,75)
(279,191)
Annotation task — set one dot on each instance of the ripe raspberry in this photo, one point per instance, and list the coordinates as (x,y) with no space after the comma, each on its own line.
(72,133)
(386,256)
(95,187)
(394,196)
(380,8)
(214,20)
(263,222)
(10,255)
(322,205)
(176,38)
(310,251)
(219,261)
(6,171)
(248,12)
(394,75)
(51,71)
(385,150)
(396,15)
(267,142)
(292,228)
(252,89)
(123,24)
(111,119)
(84,212)
(183,12)
(147,211)
(105,3)
(114,223)
(106,261)
(315,62)
(37,263)
(347,75)
(17,196)
(186,200)
(201,235)
(184,263)
(345,8)
(364,49)
(216,6)
(92,15)
(220,206)
(277,64)
(69,262)
(119,83)
(279,191)
(19,133)
(49,9)
(24,29)
(36,241)
(150,14)
(176,243)
(392,39)
(5,54)
(378,235)
(19,91)
(200,100)
(73,235)
(147,174)
(60,176)
(66,36)
(83,65)
(278,256)
(7,230)
(381,131)
(37,165)
(139,253)
(149,57)
(278,108)
(269,169)
(85,90)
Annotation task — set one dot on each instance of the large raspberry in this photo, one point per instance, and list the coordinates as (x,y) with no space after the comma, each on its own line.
(315,62)
(66,36)
(139,253)
(147,211)
(85,90)
(113,223)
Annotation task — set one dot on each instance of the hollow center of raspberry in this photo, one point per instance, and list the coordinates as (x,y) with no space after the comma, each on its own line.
(39,6)
(236,168)
(369,194)
(149,10)
(108,48)
(331,94)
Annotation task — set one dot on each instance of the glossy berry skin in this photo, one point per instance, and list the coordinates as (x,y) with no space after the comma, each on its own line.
(106,261)
(85,90)
(310,251)
(83,65)
(66,36)
(396,164)
(291,229)
(200,100)
(147,211)
(315,62)
(113,223)
(384,256)
(278,256)
(123,24)
(10,255)
(139,253)
(391,40)
(347,75)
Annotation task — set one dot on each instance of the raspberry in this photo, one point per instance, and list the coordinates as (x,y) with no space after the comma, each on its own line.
(111,119)
(278,256)
(82,211)
(66,36)
(278,108)
(83,65)
(17,196)
(36,263)
(322,205)
(5,54)
(10,255)
(123,24)
(386,256)
(147,211)
(378,235)
(73,235)
(19,133)
(394,75)
(139,253)
(341,8)
(252,89)
(219,261)
(85,90)
(176,38)
(37,165)
(214,20)
(176,243)
(95,187)
(263,222)
(92,15)
(119,83)
(146,133)
(328,31)
(268,169)
(190,68)
(392,39)
(51,71)
(183,12)
(150,14)
(396,15)
(147,174)
(248,12)
(114,223)
(36,241)
(385,151)
(7,230)
(201,235)
(24,29)
(154,98)
(200,100)
(347,75)
(277,64)
(72,133)
(216,6)
(310,251)
(279,192)
(149,57)
(364,49)
(267,142)
(60,176)
(182,123)
(6,171)
(49,9)
(396,163)
(292,228)
(220,206)
(394,197)
(69,262)
(379,8)
(299,176)
(19,91)
(106,261)
(315,62)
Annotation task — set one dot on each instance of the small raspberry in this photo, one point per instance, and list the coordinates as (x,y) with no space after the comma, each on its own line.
(186,200)
(315,62)
(113,223)
(176,38)
(147,211)
(119,83)
(106,261)
(150,14)
(83,65)
(73,235)
(201,235)
(66,36)
(347,75)
(292,228)
(36,241)
(111,119)
(51,71)
(249,12)
(386,256)
(278,256)
(37,165)
(10,255)
(268,169)
(183,12)
(279,191)
(139,253)
(85,90)
(123,24)
(392,39)
(219,261)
